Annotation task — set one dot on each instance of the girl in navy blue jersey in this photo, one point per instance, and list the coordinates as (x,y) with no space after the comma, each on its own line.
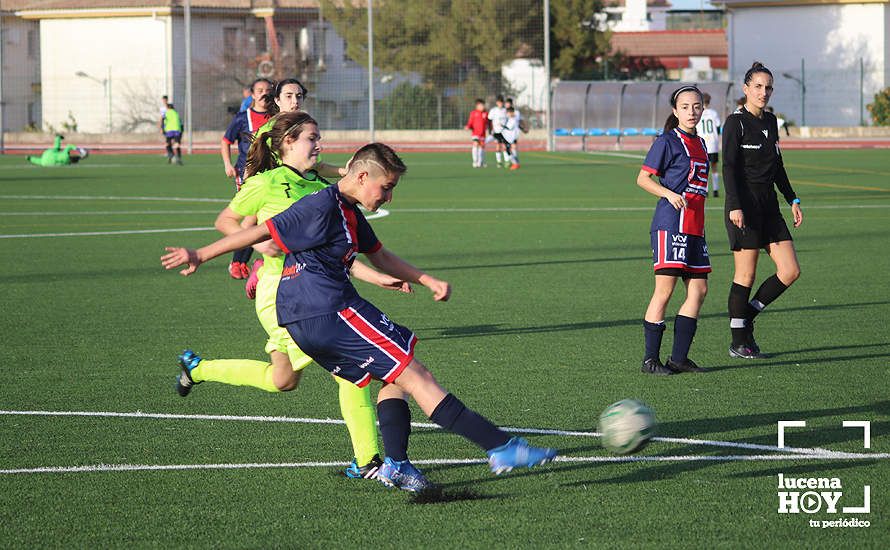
(321,235)
(679,158)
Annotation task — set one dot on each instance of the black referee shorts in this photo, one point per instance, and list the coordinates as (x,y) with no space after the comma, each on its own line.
(764,224)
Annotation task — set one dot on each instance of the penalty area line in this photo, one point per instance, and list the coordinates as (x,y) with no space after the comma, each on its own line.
(800,451)
(445,461)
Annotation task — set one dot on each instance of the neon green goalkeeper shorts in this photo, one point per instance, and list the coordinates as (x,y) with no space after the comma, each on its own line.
(279,339)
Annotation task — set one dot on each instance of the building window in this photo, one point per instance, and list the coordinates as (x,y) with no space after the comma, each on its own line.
(33,44)
(231,45)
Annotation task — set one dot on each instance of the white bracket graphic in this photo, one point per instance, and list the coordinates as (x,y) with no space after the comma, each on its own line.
(866,430)
(789,424)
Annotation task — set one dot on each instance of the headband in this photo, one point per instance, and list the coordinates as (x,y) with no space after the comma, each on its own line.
(682,89)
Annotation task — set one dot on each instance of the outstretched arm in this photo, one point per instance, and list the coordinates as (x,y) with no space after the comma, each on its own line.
(176,256)
(370,275)
(386,261)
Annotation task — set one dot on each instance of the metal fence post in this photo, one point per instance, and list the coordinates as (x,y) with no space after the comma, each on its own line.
(547,105)
(188,73)
(371,69)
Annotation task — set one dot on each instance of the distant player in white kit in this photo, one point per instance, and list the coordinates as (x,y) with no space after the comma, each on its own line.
(708,129)
(497,117)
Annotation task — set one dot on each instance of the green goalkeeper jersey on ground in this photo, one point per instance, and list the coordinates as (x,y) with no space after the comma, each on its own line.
(55,155)
(272,192)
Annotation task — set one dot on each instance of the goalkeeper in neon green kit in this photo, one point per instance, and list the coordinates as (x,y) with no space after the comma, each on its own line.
(59,156)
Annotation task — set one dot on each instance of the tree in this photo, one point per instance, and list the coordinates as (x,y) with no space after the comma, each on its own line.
(880,109)
(578,47)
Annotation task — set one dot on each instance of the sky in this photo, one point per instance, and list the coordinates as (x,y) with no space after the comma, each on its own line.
(690,4)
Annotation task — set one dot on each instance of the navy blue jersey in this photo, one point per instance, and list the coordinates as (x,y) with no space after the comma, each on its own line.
(321,233)
(240,130)
(680,160)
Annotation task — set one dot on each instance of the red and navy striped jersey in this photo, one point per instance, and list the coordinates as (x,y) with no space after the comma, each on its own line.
(321,234)
(240,130)
(680,160)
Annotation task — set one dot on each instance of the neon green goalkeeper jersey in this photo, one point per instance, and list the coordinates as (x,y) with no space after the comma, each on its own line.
(272,192)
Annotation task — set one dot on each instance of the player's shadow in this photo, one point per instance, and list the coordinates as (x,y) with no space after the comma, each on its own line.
(499,329)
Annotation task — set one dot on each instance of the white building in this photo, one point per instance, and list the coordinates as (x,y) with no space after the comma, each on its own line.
(19,71)
(828,57)
(634,15)
(106,63)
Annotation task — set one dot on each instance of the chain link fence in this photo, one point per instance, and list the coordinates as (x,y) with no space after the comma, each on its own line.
(82,67)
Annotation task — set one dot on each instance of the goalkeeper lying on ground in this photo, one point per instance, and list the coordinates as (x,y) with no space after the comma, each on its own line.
(57,156)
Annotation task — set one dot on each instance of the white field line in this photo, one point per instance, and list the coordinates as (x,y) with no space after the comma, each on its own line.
(566,459)
(799,451)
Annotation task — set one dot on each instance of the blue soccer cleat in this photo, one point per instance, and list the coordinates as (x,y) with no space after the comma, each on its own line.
(368,471)
(402,475)
(518,453)
(188,360)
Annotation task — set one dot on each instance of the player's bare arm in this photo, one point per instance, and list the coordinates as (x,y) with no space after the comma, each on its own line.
(388,262)
(644,180)
(177,256)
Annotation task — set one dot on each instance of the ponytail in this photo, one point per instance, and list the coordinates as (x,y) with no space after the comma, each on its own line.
(671,123)
(259,156)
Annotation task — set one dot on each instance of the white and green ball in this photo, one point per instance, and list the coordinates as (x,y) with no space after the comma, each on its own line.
(626,426)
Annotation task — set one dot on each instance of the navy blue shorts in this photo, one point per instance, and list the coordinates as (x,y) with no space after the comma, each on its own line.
(688,253)
(356,344)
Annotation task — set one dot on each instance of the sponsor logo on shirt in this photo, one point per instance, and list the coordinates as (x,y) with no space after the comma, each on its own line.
(367,362)
(747,146)
(292,271)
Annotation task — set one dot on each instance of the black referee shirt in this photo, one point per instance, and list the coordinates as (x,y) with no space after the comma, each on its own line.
(752,162)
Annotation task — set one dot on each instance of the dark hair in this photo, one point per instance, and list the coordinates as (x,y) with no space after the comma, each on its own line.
(480,101)
(756,67)
(509,100)
(500,98)
(169,105)
(260,155)
(706,98)
(258,80)
(672,121)
(511,110)
(382,155)
(277,91)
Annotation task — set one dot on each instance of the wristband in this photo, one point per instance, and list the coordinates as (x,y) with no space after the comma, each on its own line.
(795,201)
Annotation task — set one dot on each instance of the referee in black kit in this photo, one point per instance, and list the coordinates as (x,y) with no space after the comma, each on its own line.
(752,169)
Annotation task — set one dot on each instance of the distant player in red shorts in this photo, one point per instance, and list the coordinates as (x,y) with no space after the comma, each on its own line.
(478,124)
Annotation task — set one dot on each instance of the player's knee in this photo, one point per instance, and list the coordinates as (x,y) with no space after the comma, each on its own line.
(287,380)
(789,274)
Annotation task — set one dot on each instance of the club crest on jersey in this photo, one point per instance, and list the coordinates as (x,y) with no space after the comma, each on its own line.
(698,171)
(384,320)
(765,133)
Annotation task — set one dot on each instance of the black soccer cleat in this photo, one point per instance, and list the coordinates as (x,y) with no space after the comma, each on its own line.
(188,360)
(654,366)
(368,471)
(684,366)
(749,337)
(744,351)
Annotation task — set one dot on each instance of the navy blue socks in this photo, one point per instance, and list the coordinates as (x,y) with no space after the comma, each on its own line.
(395,427)
(455,417)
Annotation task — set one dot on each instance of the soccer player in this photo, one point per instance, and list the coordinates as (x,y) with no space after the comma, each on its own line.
(708,129)
(57,156)
(247,101)
(679,159)
(497,116)
(321,235)
(509,134)
(173,134)
(477,123)
(241,130)
(752,169)
(272,185)
(514,145)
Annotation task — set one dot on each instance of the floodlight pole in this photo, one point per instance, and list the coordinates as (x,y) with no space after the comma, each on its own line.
(2,126)
(548,89)
(371,69)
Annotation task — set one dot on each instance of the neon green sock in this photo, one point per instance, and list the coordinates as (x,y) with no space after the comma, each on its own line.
(236,372)
(361,420)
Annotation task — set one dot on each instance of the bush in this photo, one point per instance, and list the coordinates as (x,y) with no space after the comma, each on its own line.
(880,109)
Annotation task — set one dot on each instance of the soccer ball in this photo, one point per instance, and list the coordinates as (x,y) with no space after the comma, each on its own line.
(627,426)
